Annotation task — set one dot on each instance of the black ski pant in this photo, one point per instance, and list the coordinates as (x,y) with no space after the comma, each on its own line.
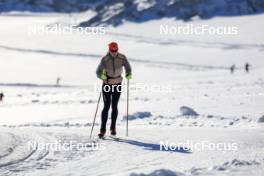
(111,95)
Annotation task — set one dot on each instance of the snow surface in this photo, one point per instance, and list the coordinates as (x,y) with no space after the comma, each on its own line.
(196,68)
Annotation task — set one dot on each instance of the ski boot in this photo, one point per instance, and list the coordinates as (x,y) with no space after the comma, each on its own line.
(113,131)
(101,134)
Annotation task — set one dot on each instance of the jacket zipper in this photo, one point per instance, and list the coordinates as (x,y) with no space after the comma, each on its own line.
(113,62)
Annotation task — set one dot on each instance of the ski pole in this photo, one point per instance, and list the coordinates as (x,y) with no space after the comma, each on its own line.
(127,107)
(97,107)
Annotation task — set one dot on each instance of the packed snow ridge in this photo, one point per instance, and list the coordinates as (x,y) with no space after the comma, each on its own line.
(261,119)
(187,111)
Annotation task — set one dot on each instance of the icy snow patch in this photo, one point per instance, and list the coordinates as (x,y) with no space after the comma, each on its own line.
(187,111)
(138,115)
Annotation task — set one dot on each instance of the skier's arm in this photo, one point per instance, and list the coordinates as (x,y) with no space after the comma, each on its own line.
(127,67)
(100,69)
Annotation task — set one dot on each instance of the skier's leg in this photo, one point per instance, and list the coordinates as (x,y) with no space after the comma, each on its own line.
(107,103)
(115,99)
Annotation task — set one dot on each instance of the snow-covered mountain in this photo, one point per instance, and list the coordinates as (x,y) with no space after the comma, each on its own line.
(143,10)
(48,5)
(114,12)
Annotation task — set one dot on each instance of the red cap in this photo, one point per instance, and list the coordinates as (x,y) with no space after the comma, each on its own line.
(113,47)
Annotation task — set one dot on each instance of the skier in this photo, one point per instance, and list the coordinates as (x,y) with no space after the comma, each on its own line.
(232,68)
(247,65)
(1,96)
(58,81)
(110,70)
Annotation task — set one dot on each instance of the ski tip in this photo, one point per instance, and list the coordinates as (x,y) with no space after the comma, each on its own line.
(102,138)
(114,137)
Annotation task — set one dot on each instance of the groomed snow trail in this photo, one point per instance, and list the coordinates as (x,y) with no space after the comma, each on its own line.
(139,153)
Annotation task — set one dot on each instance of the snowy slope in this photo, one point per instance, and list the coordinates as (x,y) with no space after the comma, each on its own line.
(197,68)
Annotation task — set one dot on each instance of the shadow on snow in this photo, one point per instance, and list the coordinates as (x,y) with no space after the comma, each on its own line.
(155,147)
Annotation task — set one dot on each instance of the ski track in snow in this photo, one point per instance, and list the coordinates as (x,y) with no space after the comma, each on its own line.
(25,159)
(148,155)
(160,64)
(201,44)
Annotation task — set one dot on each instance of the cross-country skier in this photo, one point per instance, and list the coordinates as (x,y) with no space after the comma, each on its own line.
(1,96)
(232,68)
(58,80)
(110,70)
(247,65)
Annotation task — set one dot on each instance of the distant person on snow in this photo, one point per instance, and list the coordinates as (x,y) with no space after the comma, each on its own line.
(1,96)
(110,70)
(232,68)
(58,81)
(247,65)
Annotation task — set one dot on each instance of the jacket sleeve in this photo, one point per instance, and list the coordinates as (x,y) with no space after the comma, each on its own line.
(100,69)
(127,66)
